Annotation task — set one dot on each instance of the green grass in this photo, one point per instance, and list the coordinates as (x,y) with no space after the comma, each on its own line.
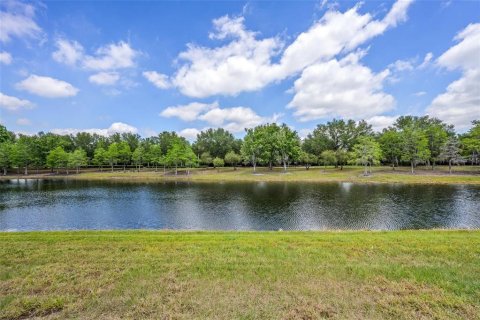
(461,175)
(240,275)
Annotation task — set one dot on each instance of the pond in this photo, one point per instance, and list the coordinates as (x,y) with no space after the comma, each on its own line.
(71,205)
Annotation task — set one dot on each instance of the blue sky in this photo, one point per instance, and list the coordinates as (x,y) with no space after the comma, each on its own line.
(147,67)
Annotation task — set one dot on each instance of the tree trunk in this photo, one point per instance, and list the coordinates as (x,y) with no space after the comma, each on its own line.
(270,166)
(112,167)
(284,166)
(450,166)
(67,170)
(77,170)
(176,169)
(411,162)
(365,169)
(26,170)
(4,171)
(124,167)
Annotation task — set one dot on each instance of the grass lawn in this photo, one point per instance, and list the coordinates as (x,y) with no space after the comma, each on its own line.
(240,275)
(461,175)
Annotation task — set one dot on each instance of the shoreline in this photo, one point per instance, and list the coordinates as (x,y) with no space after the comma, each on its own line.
(294,175)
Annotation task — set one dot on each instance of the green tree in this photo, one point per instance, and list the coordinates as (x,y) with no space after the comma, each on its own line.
(138,157)
(288,144)
(414,146)
(391,145)
(180,153)
(113,154)
(218,162)
(328,157)
(77,159)
(206,158)
(5,135)
(367,152)
(156,155)
(233,159)
(252,147)
(471,142)
(124,153)
(307,159)
(217,142)
(437,133)
(5,156)
(57,158)
(100,157)
(21,153)
(450,152)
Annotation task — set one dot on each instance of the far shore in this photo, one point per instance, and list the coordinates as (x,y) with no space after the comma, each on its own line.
(423,175)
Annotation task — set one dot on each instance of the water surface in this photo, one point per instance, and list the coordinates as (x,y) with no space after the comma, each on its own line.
(65,205)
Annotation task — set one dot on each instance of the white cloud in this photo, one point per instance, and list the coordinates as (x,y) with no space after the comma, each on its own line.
(245,63)
(117,127)
(160,80)
(17,20)
(426,61)
(23,122)
(460,103)
(5,57)
(420,93)
(104,78)
(68,52)
(466,54)
(188,112)
(13,103)
(190,133)
(112,56)
(47,87)
(402,65)
(342,88)
(234,119)
(380,122)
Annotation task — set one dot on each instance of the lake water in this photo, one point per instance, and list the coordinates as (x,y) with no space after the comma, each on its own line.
(65,205)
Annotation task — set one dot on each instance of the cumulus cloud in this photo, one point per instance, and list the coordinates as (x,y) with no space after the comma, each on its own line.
(342,88)
(68,52)
(188,112)
(234,119)
(47,87)
(112,56)
(104,78)
(158,79)
(13,103)
(426,61)
(5,57)
(460,103)
(18,20)
(381,122)
(245,62)
(190,133)
(117,127)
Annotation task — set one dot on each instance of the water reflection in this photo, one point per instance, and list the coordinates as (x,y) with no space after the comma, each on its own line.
(60,205)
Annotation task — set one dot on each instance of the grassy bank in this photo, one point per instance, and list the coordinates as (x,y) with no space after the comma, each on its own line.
(231,275)
(462,175)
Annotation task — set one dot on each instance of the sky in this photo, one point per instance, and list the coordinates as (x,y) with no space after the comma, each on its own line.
(147,67)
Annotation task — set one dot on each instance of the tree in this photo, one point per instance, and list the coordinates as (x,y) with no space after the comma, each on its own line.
(217,142)
(471,142)
(233,159)
(57,158)
(328,157)
(414,146)
(180,152)
(450,152)
(206,158)
(138,157)
(156,155)
(391,145)
(132,139)
(5,156)
(77,159)
(218,162)
(288,144)
(307,159)
(437,134)
(113,154)
(341,157)
(252,146)
(124,153)
(5,135)
(21,154)
(100,157)
(367,152)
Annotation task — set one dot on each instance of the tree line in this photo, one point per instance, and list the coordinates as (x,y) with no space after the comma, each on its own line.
(409,141)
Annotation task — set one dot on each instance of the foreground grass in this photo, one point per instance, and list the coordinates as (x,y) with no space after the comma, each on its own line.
(240,275)
(462,175)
